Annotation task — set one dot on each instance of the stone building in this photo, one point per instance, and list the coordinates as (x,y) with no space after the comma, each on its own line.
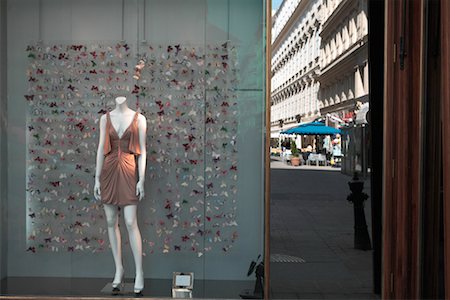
(319,62)
(295,64)
(344,70)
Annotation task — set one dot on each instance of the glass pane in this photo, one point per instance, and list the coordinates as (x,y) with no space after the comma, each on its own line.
(195,70)
(235,196)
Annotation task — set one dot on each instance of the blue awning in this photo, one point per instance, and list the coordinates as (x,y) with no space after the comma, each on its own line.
(314,128)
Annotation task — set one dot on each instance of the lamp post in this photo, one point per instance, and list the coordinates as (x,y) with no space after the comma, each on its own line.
(357,197)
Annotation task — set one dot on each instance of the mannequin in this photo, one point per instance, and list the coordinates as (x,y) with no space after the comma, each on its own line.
(121,141)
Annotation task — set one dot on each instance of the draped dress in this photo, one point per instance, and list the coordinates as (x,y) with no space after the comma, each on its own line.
(118,177)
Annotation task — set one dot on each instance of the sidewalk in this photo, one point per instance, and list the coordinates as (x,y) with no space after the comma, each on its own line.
(312,223)
(277,163)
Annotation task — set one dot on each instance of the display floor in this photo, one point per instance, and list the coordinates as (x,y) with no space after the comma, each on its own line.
(92,287)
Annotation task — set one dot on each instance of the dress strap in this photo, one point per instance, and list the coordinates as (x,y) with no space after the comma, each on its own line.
(107,143)
(134,146)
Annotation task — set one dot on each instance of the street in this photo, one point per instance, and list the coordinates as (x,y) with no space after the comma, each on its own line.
(312,231)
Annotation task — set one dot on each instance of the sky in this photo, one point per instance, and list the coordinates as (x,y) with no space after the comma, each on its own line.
(275,5)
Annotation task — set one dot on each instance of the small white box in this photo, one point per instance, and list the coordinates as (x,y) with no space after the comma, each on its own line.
(182,284)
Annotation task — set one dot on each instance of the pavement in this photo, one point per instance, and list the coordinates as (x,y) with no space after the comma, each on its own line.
(311,239)
(277,163)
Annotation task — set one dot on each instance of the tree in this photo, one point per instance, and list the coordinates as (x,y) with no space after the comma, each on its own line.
(294,149)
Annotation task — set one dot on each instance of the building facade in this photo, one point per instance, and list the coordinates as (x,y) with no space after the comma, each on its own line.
(295,64)
(319,62)
(344,69)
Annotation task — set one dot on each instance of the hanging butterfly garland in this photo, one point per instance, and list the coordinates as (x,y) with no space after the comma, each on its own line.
(68,87)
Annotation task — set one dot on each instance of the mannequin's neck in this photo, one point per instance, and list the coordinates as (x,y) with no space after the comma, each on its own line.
(122,107)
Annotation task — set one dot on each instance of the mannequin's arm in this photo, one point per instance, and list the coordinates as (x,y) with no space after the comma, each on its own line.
(100,157)
(142,158)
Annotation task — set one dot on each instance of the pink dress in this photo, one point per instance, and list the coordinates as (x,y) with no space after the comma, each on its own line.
(119,174)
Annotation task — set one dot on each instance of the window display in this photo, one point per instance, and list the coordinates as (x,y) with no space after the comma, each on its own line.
(174,97)
(189,134)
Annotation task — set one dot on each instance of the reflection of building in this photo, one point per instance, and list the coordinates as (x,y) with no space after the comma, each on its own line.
(339,30)
(344,73)
(295,64)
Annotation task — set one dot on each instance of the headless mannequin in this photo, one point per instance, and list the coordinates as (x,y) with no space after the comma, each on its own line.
(121,117)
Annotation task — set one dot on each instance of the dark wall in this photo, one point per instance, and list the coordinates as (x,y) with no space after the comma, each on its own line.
(3,231)
(376,80)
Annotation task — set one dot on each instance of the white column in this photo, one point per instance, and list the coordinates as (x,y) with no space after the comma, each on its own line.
(298,141)
(366,78)
(307,97)
(359,87)
(302,99)
(311,96)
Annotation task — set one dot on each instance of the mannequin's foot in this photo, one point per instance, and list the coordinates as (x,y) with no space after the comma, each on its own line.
(138,294)
(139,284)
(118,280)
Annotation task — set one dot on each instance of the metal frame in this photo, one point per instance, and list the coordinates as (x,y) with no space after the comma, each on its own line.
(445,95)
(267,152)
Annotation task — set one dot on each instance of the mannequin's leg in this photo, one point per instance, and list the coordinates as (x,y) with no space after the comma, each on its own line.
(130,216)
(112,220)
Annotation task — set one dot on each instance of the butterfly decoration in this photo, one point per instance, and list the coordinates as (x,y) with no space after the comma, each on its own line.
(32,249)
(187,156)
(76,47)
